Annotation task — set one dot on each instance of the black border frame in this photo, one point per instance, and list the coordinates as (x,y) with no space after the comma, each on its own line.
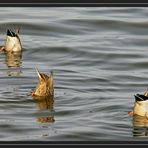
(73,3)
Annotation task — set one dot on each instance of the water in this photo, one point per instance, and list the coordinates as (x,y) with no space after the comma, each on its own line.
(99,57)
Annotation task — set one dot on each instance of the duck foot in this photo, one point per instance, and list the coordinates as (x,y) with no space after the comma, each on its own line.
(130,113)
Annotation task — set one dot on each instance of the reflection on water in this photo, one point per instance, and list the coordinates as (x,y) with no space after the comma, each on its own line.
(13,62)
(13,59)
(14,71)
(140,126)
(43,104)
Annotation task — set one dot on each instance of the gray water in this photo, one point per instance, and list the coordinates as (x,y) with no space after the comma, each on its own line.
(99,57)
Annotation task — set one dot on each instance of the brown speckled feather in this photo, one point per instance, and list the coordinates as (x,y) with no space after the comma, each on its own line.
(45,85)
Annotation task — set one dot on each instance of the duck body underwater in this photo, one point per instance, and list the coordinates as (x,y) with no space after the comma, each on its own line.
(12,42)
(141,105)
(45,85)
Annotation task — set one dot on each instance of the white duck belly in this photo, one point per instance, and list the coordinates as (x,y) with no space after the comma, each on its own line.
(12,42)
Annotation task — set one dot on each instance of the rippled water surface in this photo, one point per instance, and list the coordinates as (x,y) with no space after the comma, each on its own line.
(99,57)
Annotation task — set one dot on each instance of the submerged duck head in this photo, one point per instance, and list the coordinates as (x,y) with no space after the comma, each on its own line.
(141,104)
(13,42)
(45,85)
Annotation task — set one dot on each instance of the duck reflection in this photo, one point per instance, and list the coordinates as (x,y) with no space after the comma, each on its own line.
(13,62)
(45,103)
(140,126)
(13,59)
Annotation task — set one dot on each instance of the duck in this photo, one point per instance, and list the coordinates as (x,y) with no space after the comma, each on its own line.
(45,86)
(141,105)
(12,42)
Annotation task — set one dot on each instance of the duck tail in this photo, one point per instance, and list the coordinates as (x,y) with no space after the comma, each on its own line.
(18,30)
(146,93)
